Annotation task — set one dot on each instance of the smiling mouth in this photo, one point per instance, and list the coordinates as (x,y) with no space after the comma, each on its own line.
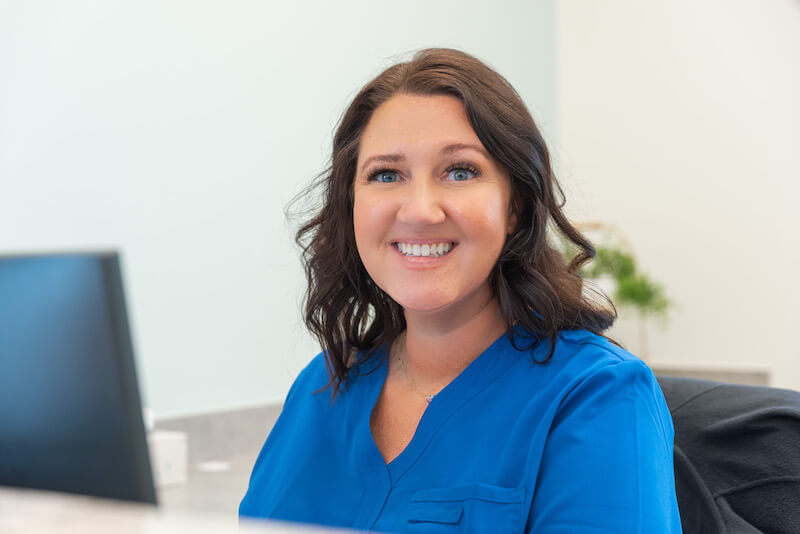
(434,250)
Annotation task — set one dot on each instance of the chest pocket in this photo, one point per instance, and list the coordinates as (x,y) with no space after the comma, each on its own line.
(467,508)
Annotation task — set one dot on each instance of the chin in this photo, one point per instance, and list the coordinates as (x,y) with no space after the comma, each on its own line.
(424,304)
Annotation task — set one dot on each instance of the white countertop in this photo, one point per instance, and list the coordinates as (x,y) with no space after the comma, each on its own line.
(39,512)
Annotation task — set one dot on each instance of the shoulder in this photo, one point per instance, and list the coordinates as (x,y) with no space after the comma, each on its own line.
(314,372)
(583,343)
(587,372)
(312,377)
(600,376)
(580,354)
(585,357)
(315,376)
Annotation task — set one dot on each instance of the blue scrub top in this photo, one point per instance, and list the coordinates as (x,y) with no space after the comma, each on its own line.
(582,443)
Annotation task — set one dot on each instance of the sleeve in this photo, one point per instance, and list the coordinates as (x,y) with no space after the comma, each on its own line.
(275,457)
(607,464)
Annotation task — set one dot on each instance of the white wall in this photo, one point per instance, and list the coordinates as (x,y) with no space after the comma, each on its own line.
(680,123)
(177,132)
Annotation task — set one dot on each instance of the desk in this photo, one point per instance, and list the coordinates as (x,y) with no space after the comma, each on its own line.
(24,511)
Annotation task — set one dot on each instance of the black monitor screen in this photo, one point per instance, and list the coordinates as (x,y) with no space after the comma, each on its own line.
(70,415)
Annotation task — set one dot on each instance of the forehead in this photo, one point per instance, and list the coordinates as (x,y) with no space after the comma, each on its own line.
(408,123)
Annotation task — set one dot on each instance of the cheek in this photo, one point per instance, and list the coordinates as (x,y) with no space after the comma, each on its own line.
(369,216)
(484,216)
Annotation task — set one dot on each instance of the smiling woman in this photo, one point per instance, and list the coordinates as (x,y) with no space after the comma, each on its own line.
(447,191)
(471,388)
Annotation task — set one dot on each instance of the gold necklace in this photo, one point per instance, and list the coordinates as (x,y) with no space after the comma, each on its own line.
(427,396)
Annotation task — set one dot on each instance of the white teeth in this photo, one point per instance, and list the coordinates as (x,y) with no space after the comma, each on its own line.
(435,250)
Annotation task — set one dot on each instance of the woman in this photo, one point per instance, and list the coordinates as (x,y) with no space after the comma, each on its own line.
(470,387)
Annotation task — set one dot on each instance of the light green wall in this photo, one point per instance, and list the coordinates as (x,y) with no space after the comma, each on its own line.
(177,132)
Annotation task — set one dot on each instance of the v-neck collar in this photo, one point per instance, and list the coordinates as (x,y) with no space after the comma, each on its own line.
(471,381)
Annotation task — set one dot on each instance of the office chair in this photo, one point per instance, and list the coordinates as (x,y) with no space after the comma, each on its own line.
(737,456)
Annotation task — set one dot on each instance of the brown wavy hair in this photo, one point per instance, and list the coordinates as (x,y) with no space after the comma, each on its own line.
(536,290)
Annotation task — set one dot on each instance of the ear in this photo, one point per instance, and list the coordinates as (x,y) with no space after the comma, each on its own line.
(512,217)
(512,223)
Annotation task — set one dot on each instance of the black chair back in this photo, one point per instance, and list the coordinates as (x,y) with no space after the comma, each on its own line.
(737,456)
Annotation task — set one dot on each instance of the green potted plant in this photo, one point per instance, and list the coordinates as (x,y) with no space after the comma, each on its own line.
(614,270)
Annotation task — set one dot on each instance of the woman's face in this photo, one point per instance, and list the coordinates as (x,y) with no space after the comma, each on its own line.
(425,183)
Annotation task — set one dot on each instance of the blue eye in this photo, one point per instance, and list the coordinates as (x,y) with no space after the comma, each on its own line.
(383,175)
(458,172)
(461,172)
(460,175)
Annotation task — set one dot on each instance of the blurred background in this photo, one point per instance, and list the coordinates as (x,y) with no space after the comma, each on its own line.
(177,132)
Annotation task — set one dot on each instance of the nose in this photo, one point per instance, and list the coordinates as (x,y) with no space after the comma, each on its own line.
(421,204)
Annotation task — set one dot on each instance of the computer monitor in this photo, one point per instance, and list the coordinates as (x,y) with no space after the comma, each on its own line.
(70,413)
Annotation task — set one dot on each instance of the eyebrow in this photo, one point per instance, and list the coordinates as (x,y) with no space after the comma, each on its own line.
(448,149)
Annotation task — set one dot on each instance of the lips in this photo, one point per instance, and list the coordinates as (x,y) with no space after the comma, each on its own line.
(427,241)
(423,263)
(424,251)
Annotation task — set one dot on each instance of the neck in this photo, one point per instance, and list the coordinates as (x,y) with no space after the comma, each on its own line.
(437,346)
